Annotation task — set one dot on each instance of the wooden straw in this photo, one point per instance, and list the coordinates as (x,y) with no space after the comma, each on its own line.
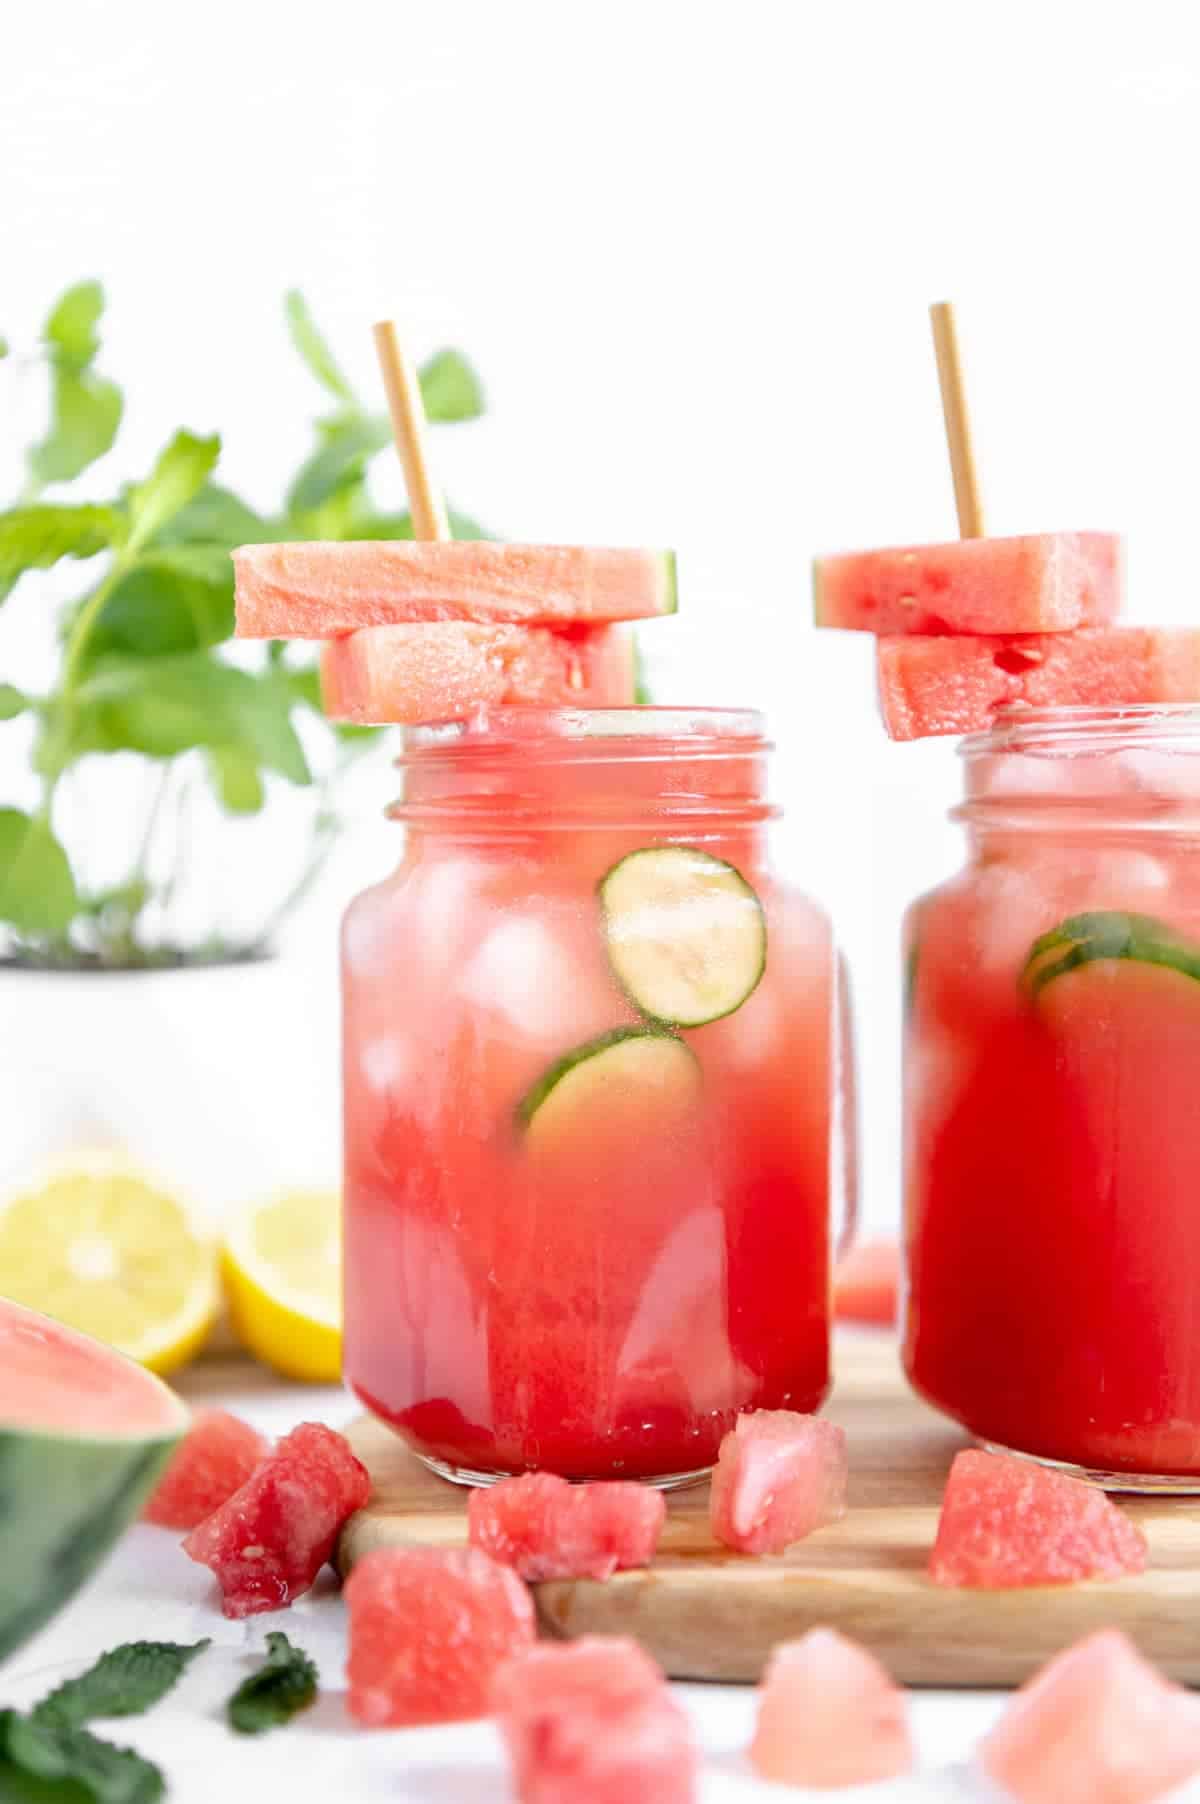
(408,427)
(958,425)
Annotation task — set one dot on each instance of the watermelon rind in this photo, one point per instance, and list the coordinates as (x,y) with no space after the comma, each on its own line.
(65,1499)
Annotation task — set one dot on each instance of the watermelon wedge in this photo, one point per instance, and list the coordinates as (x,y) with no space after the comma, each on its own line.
(778,1476)
(1006,1523)
(1098,1725)
(1037,583)
(218,1455)
(958,685)
(545,1528)
(84,1435)
(829,1715)
(412,674)
(319,591)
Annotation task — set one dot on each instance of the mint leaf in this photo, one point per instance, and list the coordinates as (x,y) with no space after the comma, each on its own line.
(178,476)
(310,343)
(12,702)
(285,1683)
(236,779)
(47,1751)
(70,332)
(339,461)
(85,413)
(450,388)
(216,516)
(174,598)
(36,537)
(37,890)
(123,1682)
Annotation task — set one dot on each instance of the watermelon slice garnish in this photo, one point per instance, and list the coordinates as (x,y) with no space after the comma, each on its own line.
(1007,1522)
(322,590)
(829,1715)
(415,674)
(778,1477)
(1036,583)
(930,686)
(545,1528)
(1097,1725)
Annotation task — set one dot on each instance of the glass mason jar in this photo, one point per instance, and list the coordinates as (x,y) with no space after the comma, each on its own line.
(588,1055)
(1051,1118)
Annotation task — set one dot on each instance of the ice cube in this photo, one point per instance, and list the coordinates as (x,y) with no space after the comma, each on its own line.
(1124,877)
(524,972)
(386,1064)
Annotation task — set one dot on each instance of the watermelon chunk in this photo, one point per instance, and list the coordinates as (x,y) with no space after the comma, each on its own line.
(429,1628)
(866,1284)
(268,1542)
(215,1460)
(1006,1522)
(545,1528)
(778,1477)
(593,1722)
(84,1434)
(319,591)
(959,685)
(1037,583)
(830,1715)
(1098,1725)
(412,674)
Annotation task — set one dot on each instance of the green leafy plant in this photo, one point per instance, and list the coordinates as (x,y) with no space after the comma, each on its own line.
(143,667)
(284,1684)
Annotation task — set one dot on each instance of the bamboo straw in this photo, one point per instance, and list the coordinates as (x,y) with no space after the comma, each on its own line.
(409,430)
(967,499)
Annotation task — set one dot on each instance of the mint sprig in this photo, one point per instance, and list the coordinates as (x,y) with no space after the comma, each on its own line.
(123,1682)
(284,1684)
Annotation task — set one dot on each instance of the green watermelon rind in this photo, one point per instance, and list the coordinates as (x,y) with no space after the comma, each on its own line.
(1105,936)
(669,574)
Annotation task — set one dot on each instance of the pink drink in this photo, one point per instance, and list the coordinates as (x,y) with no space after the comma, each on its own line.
(579,1237)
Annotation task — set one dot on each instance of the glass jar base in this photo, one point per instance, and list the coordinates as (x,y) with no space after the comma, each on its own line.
(1164,1484)
(466,1475)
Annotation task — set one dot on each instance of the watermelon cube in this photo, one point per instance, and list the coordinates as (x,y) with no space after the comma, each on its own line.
(1007,1522)
(545,1528)
(320,591)
(267,1543)
(778,1477)
(866,1284)
(412,674)
(1098,1725)
(217,1456)
(959,685)
(830,1715)
(593,1722)
(1038,583)
(429,1628)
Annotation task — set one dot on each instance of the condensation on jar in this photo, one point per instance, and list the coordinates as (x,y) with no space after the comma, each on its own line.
(589,1048)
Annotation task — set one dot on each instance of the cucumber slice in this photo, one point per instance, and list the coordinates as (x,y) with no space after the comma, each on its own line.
(687,936)
(1084,939)
(631,1081)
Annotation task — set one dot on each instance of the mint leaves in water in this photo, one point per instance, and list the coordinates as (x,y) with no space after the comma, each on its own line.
(50,1755)
(285,1683)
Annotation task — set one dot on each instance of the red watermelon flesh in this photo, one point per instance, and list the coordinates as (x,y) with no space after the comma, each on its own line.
(412,674)
(268,1542)
(545,1528)
(866,1284)
(429,1629)
(778,1477)
(830,1715)
(1007,1522)
(959,685)
(592,1722)
(1037,583)
(319,591)
(215,1460)
(1098,1725)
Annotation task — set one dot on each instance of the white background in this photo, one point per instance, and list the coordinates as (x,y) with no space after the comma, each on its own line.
(690,247)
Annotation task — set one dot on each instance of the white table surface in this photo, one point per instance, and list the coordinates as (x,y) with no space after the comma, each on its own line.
(149,1589)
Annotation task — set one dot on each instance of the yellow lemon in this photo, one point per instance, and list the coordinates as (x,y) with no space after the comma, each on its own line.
(282,1265)
(107,1250)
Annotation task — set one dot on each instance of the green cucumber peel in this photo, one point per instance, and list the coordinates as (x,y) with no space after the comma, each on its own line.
(550,1079)
(1106,935)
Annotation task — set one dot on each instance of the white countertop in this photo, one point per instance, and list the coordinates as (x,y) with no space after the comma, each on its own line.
(149,1589)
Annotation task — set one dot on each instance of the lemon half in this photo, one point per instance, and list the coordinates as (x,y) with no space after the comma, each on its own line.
(109,1251)
(282,1265)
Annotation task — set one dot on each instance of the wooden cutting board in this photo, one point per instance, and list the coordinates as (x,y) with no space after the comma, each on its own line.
(705,1613)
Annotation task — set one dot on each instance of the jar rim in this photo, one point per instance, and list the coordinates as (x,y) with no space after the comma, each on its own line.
(1068,730)
(514,724)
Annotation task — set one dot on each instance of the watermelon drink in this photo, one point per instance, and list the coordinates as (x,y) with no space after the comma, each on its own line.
(589,1039)
(1051,1081)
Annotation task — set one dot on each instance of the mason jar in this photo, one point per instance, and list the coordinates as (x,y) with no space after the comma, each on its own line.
(1052,1155)
(589,1055)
